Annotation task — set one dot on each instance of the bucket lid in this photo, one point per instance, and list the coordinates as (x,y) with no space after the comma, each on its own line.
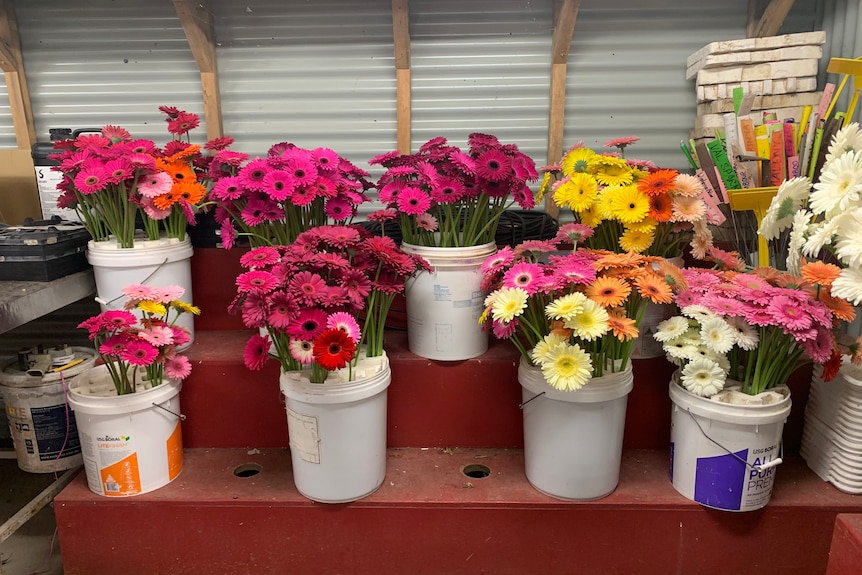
(11,376)
(598,389)
(144,253)
(727,412)
(93,392)
(455,256)
(296,385)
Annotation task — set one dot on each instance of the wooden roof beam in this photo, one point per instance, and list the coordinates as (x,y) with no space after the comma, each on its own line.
(403,106)
(565,16)
(197,22)
(12,63)
(770,21)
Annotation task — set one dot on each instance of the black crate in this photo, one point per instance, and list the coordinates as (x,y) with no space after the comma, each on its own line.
(42,250)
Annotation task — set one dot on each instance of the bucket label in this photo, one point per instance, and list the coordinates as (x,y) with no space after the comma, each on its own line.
(111,464)
(725,482)
(174,448)
(442,293)
(304,439)
(122,478)
(54,436)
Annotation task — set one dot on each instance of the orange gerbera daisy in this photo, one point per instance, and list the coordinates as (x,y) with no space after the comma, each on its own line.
(166,201)
(672,275)
(658,182)
(192,192)
(770,274)
(654,288)
(818,272)
(840,308)
(558,328)
(629,259)
(661,207)
(186,152)
(179,171)
(608,291)
(621,326)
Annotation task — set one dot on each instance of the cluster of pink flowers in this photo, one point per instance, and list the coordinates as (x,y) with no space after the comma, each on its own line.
(460,195)
(274,199)
(309,295)
(109,176)
(126,342)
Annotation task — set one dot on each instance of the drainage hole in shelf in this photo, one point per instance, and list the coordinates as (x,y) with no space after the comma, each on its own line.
(476,470)
(247,470)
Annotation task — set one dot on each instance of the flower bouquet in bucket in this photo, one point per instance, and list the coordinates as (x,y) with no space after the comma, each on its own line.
(115,182)
(737,340)
(128,408)
(573,316)
(322,302)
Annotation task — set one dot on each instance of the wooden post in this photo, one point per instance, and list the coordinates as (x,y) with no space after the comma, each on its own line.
(565,15)
(770,22)
(196,19)
(401,38)
(12,63)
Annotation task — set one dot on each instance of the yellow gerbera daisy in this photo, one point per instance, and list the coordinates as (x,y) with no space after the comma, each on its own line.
(645,225)
(590,217)
(184,307)
(546,184)
(614,172)
(578,192)
(580,160)
(636,241)
(152,307)
(604,202)
(629,205)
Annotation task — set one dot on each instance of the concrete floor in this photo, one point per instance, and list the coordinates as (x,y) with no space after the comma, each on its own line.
(29,551)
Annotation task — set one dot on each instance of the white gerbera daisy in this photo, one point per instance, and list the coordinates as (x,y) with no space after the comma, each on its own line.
(703,377)
(697,312)
(848,244)
(540,352)
(848,285)
(787,200)
(717,335)
(671,328)
(839,185)
(847,139)
(566,306)
(747,337)
(820,234)
(567,367)
(509,303)
(798,233)
(590,323)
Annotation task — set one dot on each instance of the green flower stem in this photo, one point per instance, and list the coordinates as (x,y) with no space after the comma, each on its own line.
(318,373)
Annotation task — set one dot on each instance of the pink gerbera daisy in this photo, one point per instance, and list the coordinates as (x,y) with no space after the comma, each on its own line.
(497,261)
(722,305)
(413,201)
(256,351)
(254,212)
(139,352)
(358,286)
(115,344)
(789,314)
(302,350)
(178,367)
(339,236)
(256,281)
(155,184)
(308,288)
(118,169)
(447,190)
(259,257)
(686,298)
(282,310)
(308,324)
(620,142)
(427,222)
(344,322)
(278,184)
(181,335)
(385,215)
(574,232)
(494,166)
(157,336)
(523,275)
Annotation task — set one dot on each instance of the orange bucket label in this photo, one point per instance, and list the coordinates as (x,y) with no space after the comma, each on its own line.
(122,478)
(174,446)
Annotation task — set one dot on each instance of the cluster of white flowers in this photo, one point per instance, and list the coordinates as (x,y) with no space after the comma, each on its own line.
(825,215)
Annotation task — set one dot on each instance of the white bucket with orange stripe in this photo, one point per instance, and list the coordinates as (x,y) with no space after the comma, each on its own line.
(131,444)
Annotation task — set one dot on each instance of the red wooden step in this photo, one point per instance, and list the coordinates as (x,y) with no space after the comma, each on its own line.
(429,518)
(845,554)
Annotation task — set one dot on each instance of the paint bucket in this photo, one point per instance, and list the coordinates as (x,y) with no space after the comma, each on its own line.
(132,443)
(41,425)
(337,432)
(444,305)
(723,455)
(573,440)
(158,263)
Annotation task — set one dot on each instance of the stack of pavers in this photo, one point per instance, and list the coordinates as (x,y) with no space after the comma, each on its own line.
(832,434)
(781,71)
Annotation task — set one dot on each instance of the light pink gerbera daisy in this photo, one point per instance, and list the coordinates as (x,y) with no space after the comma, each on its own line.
(496,262)
(155,184)
(139,352)
(344,322)
(413,201)
(256,351)
(302,350)
(722,305)
(167,294)
(139,291)
(687,209)
(524,275)
(427,222)
(157,336)
(621,142)
(688,185)
(178,367)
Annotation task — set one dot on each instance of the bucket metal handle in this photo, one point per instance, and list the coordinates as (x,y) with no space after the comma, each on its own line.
(145,280)
(759,468)
(179,415)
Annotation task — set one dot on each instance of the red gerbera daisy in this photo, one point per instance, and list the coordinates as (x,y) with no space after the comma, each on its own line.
(333,349)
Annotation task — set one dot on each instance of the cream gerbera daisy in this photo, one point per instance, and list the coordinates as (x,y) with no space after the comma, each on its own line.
(839,185)
(509,303)
(789,197)
(540,352)
(590,323)
(797,238)
(671,328)
(703,377)
(848,285)
(847,139)
(746,336)
(567,367)
(848,244)
(566,306)
(717,335)
(821,234)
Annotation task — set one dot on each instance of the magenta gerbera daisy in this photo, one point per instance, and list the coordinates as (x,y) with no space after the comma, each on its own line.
(92,178)
(256,351)
(413,201)
(494,166)
(308,288)
(339,209)
(308,324)
(278,184)
(139,352)
(302,169)
(523,275)
(227,189)
(325,159)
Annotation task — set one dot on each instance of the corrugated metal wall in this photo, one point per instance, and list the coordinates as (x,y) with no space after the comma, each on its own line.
(321,73)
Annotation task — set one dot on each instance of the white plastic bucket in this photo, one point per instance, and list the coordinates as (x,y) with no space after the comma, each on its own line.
(573,440)
(132,443)
(722,455)
(40,423)
(159,263)
(337,434)
(443,306)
